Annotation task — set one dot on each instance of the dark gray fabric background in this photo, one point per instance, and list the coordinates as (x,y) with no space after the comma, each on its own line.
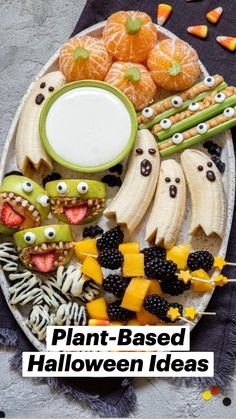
(114,398)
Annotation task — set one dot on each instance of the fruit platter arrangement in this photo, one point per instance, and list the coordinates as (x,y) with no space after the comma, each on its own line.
(117,183)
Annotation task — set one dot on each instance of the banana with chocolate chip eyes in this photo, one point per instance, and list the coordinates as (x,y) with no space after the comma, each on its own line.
(23,204)
(45,248)
(77,201)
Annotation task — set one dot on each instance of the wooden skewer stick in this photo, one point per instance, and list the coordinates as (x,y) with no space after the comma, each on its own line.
(207,313)
(187,321)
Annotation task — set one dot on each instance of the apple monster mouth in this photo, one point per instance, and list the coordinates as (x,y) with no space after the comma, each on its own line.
(77,210)
(19,211)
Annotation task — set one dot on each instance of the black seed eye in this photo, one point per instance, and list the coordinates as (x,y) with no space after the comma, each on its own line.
(167,179)
(152,151)
(42,85)
(139,151)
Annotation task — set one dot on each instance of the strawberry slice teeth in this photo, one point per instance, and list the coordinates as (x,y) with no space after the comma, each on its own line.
(76,214)
(43,262)
(9,217)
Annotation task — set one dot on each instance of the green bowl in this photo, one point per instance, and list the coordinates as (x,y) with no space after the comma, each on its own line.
(75,85)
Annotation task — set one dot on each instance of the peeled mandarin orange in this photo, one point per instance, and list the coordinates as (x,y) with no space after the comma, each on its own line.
(129,36)
(84,58)
(174,64)
(134,80)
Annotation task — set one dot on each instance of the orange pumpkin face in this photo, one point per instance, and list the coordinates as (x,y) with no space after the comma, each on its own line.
(174,64)
(84,58)
(134,80)
(129,36)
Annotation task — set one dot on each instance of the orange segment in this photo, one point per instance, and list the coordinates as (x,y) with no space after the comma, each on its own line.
(134,80)
(174,64)
(129,36)
(84,58)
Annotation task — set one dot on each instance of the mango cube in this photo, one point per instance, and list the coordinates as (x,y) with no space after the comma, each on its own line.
(135,294)
(198,286)
(144,317)
(179,255)
(129,248)
(92,269)
(155,288)
(133,265)
(97,309)
(85,248)
(133,322)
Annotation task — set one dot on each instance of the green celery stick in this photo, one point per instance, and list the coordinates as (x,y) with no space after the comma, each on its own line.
(197,138)
(173,110)
(197,118)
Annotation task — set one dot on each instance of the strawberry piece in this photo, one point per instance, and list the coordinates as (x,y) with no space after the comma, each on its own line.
(44,261)
(76,214)
(10,217)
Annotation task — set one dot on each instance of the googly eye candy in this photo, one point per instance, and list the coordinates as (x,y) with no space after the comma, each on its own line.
(209,81)
(177,138)
(177,101)
(229,112)
(49,233)
(147,112)
(29,237)
(44,201)
(202,128)
(194,106)
(219,97)
(82,187)
(62,188)
(27,186)
(165,123)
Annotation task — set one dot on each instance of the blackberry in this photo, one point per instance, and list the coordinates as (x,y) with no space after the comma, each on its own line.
(110,258)
(201,259)
(156,305)
(117,313)
(174,286)
(160,269)
(115,284)
(219,163)
(173,305)
(92,231)
(116,169)
(153,252)
(111,239)
(51,177)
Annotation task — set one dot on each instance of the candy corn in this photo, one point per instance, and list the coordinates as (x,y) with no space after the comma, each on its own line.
(98,322)
(163,12)
(228,42)
(200,31)
(214,15)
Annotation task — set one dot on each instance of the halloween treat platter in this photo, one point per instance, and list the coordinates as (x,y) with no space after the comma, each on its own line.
(117,240)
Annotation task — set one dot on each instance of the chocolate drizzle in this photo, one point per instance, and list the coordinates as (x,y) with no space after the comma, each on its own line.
(173,191)
(200,168)
(210,175)
(39,99)
(145,167)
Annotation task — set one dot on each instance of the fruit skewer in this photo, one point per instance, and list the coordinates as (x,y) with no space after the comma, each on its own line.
(191,313)
(219,263)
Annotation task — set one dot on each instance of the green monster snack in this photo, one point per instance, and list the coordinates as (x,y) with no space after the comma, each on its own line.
(45,248)
(76,201)
(23,204)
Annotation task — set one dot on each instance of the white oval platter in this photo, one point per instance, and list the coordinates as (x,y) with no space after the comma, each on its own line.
(216,246)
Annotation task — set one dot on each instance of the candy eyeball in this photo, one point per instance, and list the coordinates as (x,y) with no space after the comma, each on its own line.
(209,81)
(44,201)
(82,187)
(202,128)
(229,112)
(62,188)
(147,112)
(194,106)
(165,123)
(177,101)
(177,138)
(29,237)
(219,97)
(49,233)
(27,186)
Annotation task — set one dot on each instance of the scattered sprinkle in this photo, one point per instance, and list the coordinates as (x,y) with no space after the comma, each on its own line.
(163,13)
(227,401)
(214,15)
(112,180)
(200,31)
(215,390)
(206,395)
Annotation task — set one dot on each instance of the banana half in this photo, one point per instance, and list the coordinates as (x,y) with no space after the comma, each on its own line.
(207,193)
(134,197)
(168,209)
(30,154)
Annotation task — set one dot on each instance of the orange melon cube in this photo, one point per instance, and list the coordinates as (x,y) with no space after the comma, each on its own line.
(133,322)
(144,317)
(129,248)
(92,269)
(198,286)
(133,265)
(155,288)
(135,294)
(97,309)
(85,248)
